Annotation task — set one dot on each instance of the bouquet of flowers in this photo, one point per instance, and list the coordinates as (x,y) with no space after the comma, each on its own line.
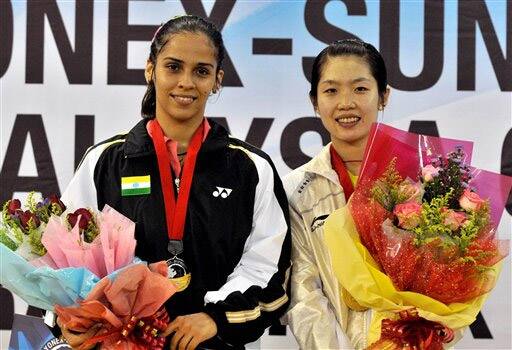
(420,234)
(82,259)
(21,230)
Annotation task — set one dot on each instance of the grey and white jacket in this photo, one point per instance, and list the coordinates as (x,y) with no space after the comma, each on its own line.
(317,315)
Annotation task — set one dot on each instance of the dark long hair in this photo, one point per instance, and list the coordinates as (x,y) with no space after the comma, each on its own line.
(181,24)
(347,47)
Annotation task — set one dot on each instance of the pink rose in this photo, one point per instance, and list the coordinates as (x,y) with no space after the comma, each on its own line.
(408,214)
(454,219)
(429,172)
(470,201)
(410,191)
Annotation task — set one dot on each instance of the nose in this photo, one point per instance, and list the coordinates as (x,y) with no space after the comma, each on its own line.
(186,81)
(345,102)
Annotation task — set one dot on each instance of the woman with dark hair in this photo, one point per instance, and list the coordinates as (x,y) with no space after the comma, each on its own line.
(348,88)
(210,205)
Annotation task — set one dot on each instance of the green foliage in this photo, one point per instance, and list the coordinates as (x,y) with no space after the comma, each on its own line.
(7,240)
(91,232)
(31,202)
(432,226)
(55,210)
(34,239)
(432,221)
(477,220)
(385,189)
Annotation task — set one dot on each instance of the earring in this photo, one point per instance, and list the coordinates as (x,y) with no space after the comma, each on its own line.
(380,117)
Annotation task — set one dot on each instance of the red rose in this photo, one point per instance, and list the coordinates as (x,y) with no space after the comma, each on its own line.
(85,218)
(14,205)
(25,217)
(53,199)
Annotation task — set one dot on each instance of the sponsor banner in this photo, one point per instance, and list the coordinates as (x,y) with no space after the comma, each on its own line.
(72,75)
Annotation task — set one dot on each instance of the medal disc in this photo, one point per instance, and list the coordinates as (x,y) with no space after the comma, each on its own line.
(177,273)
(176,268)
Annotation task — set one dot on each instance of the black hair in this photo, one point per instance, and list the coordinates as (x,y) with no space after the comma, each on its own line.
(190,24)
(347,47)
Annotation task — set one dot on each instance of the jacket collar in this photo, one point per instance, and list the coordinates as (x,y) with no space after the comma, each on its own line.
(138,142)
(321,165)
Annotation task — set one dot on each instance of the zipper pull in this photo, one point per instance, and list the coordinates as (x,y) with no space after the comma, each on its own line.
(177,183)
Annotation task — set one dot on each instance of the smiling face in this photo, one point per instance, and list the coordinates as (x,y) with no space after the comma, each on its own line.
(348,99)
(184,75)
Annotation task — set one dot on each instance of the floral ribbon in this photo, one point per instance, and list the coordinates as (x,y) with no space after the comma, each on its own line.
(141,332)
(412,332)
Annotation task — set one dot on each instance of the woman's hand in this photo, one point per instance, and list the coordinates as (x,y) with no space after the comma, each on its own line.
(190,331)
(74,339)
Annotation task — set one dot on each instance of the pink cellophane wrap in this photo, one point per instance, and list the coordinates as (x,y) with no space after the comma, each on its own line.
(137,291)
(117,239)
(111,250)
(427,269)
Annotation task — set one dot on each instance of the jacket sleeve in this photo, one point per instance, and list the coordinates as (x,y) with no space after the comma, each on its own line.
(81,190)
(310,316)
(255,294)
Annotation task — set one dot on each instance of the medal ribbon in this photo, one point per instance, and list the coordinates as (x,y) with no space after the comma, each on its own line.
(175,209)
(343,176)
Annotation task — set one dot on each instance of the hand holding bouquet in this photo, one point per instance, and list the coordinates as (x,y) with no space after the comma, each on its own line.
(129,307)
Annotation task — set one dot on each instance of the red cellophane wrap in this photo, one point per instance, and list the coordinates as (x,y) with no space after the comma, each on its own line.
(130,308)
(428,269)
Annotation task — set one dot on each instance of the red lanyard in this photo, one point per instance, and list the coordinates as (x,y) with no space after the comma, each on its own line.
(343,176)
(175,210)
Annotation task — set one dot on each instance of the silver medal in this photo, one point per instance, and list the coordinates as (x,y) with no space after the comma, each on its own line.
(176,268)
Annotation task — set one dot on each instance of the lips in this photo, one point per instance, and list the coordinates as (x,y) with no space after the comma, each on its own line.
(348,120)
(184,100)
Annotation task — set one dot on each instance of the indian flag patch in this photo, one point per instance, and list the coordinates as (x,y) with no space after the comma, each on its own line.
(135,185)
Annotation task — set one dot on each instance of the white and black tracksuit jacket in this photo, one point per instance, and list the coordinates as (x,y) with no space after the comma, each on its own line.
(237,248)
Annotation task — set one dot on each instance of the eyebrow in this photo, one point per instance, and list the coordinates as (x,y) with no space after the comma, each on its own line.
(202,64)
(358,80)
(335,82)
